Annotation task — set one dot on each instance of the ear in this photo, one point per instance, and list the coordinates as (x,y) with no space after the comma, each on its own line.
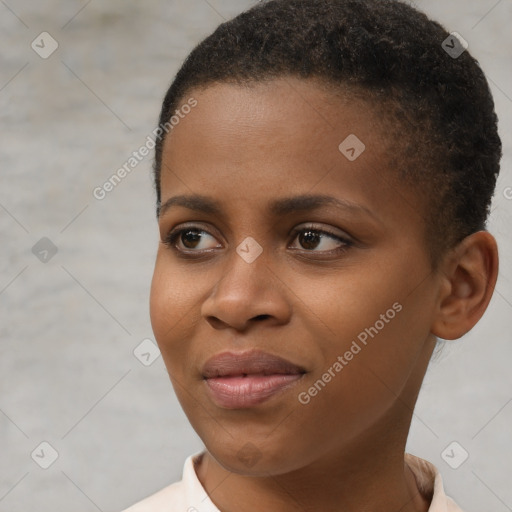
(468,279)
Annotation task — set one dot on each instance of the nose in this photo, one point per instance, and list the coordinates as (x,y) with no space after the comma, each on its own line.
(247,293)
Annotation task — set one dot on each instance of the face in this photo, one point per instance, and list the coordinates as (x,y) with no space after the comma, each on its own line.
(343,290)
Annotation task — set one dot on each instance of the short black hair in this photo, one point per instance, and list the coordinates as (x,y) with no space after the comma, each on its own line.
(391,55)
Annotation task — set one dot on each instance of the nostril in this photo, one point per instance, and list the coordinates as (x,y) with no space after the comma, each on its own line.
(261,317)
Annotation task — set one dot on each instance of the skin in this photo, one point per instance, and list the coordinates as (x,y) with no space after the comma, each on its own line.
(344,450)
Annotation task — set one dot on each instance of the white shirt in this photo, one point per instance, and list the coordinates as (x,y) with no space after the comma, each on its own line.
(188,495)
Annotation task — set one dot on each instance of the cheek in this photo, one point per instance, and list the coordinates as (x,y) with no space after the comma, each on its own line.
(346,398)
(173,301)
(339,308)
(378,328)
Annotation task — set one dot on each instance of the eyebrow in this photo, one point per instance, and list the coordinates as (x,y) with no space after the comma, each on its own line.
(278,207)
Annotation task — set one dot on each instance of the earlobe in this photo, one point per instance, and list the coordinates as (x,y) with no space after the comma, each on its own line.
(468,282)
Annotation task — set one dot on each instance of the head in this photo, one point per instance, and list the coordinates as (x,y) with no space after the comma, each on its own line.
(356,100)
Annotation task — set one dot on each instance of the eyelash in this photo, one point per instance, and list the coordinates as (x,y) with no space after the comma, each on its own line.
(171,238)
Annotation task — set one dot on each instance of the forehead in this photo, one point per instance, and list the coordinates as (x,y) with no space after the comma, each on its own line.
(280,114)
(286,136)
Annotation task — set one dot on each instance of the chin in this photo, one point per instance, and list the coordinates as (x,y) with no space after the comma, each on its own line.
(248,460)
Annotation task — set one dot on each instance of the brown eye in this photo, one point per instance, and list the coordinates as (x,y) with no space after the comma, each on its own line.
(310,239)
(189,237)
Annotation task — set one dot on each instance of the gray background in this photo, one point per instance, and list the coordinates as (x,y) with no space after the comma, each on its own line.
(68,327)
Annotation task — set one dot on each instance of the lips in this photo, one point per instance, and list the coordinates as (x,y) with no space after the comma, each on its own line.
(238,381)
(248,363)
